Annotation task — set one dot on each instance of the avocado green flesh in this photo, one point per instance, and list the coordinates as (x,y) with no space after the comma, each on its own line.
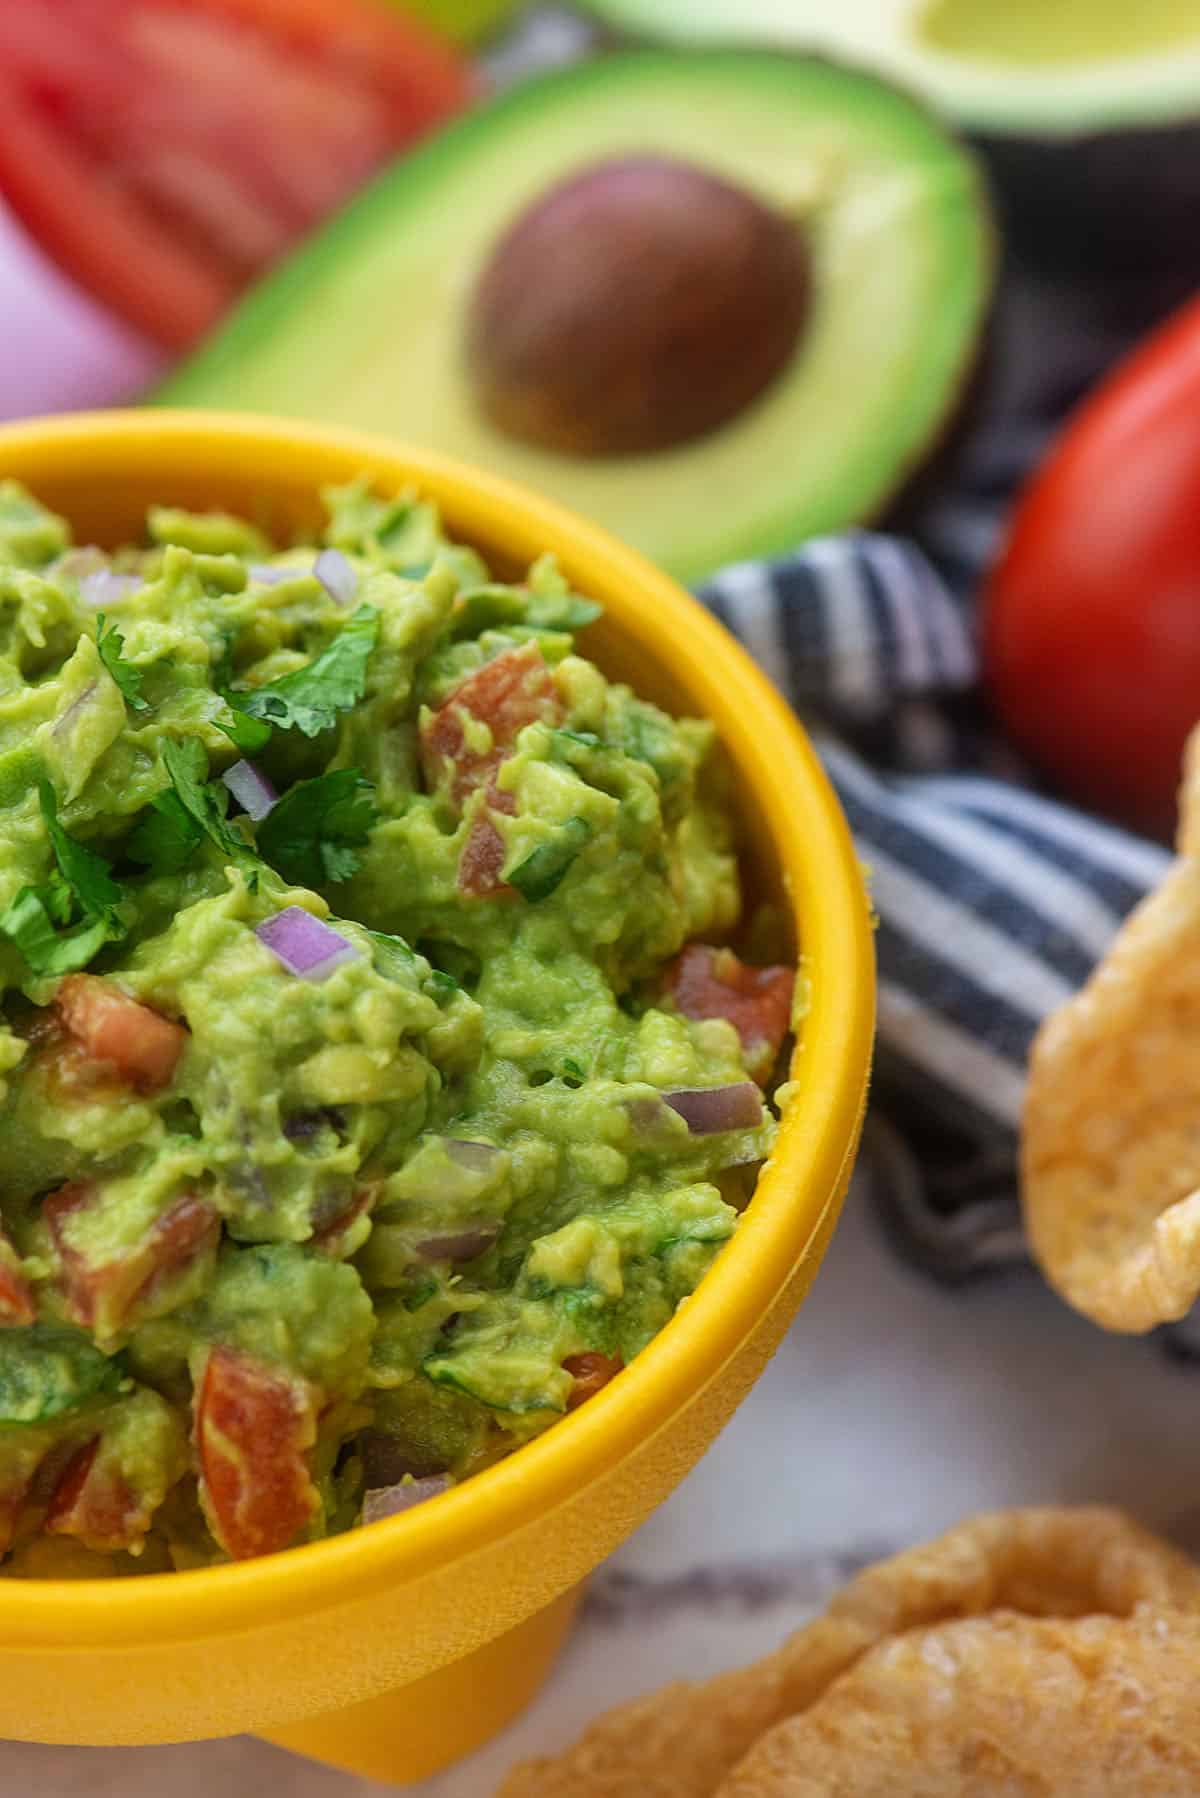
(364,326)
(485,1071)
(1031,33)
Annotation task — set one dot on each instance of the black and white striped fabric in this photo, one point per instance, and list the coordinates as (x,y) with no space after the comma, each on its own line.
(993,901)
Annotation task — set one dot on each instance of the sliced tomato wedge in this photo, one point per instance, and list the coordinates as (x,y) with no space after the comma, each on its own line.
(516,688)
(94,1501)
(165,151)
(706,982)
(17,1304)
(590,1371)
(103,1295)
(254,1426)
(116,1032)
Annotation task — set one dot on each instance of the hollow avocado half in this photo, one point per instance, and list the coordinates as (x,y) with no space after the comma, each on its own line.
(367,324)
(1088,110)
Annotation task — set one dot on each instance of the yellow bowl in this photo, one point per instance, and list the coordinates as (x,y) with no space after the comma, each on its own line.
(392,1650)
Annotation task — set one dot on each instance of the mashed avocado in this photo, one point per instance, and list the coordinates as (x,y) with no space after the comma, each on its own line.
(369,1091)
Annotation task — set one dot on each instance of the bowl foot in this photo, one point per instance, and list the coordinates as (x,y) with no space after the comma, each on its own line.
(416,1730)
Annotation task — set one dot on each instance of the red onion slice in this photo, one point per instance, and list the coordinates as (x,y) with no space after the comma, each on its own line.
(389,1501)
(269,574)
(303,944)
(337,575)
(251,788)
(706,1110)
(104,587)
(476,1157)
(460,1245)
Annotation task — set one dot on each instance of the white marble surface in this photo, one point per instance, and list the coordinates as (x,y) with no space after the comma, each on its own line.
(892,1410)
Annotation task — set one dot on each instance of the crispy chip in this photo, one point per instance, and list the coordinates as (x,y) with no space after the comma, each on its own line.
(999,1707)
(1052,1565)
(1110,1154)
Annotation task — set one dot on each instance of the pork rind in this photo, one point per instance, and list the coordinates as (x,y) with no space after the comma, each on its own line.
(904,1647)
(1110,1153)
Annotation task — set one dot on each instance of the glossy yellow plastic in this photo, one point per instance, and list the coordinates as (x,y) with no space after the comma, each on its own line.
(392,1650)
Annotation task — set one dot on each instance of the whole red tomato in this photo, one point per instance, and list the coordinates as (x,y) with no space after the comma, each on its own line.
(1092,614)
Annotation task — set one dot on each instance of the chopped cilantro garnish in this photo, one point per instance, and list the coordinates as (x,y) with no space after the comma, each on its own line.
(111,645)
(537,876)
(167,836)
(308,835)
(249,734)
(38,919)
(193,808)
(310,699)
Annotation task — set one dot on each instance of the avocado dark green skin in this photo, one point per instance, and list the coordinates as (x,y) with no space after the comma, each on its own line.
(1112,202)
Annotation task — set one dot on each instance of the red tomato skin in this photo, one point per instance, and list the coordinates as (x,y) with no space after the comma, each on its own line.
(705,982)
(254,1426)
(590,1371)
(96,1504)
(90,216)
(1092,614)
(514,689)
(107,1292)
(140,1044)
(17,1304)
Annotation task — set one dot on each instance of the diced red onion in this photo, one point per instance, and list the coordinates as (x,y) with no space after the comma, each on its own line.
(709,1109)
(105,587)
(251,788)
(460,1245)
(389,1501)
(476,1157)
(74,564)
(337,574)
(270,574)
(303,944)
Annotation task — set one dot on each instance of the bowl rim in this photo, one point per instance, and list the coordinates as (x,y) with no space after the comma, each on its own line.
(829,1070)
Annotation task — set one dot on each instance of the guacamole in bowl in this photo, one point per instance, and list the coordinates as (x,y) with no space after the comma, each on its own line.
(375,1085)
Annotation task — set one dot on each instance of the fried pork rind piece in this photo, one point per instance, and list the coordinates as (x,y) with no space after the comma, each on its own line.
(998,1707)
(1110,1151)
(1003,1571)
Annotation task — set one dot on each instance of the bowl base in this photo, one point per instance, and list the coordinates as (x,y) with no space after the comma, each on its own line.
(409,1733)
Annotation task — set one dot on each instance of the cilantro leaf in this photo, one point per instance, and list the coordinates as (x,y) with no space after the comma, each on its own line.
(542,870)
(310,699)
(35,917)
(29,922)
(249,734)
(86,873)
(167,836)
(308,835)
(111,645)
(202,801)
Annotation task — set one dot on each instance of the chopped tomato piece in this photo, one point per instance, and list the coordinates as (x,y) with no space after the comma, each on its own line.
(140,1044)
(96,1503)
(516,688)
(329,1236)
(590,1371)
(103,1294)
(254,1426)
(16,1295)
(482,859)
(164,151)
(713,983)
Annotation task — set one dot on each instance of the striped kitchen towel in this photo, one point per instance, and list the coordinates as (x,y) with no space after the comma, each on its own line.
(993,901)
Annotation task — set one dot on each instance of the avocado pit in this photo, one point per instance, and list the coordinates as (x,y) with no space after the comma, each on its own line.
(636,306)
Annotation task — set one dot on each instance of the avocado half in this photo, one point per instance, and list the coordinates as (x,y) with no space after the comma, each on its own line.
(1088,110)
(367,324)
